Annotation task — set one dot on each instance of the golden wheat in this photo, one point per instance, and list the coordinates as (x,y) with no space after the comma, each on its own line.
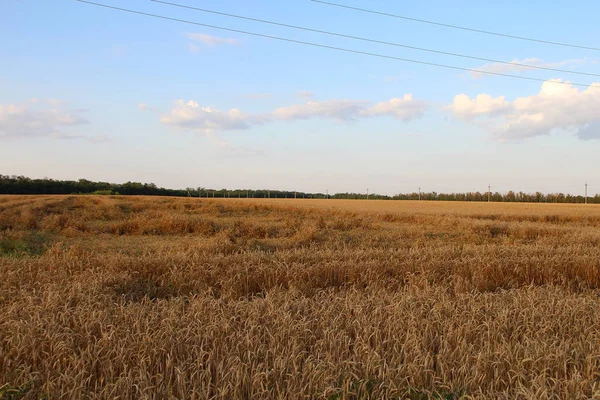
(156,298)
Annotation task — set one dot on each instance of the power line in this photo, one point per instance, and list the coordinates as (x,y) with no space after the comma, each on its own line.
(204,10)
(333,47)
(455,26)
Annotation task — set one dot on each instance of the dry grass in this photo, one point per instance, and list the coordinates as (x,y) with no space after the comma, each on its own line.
(115,297)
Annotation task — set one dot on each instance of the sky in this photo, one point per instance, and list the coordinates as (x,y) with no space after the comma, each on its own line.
(95,93)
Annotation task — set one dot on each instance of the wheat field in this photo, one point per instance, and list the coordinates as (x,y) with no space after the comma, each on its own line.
(171,298)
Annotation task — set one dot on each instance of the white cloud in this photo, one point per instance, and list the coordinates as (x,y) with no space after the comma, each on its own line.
(38,118)
(557,106)
(339,110)
(482,105)
(192,116)
(405,109)
(211,41)
(527,64)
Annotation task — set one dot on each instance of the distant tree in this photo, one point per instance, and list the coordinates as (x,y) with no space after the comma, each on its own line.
(15,184)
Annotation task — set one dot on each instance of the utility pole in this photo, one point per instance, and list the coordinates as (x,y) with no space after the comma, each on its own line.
(586,193)
(489,192)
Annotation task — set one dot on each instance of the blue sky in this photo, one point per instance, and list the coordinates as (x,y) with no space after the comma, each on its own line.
(87,92)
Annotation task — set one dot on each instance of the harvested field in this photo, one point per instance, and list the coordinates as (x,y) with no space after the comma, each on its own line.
(150,297)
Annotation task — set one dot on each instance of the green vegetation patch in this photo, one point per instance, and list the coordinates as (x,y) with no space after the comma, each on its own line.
(11,392)
(29,243)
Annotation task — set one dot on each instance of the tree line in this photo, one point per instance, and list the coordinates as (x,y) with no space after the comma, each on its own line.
(24,185)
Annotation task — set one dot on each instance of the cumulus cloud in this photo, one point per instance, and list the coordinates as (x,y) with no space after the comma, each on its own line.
(38,118)
(405,109)
(192,116)
(527,64)
(558,106)
(211,41)
(481,105)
